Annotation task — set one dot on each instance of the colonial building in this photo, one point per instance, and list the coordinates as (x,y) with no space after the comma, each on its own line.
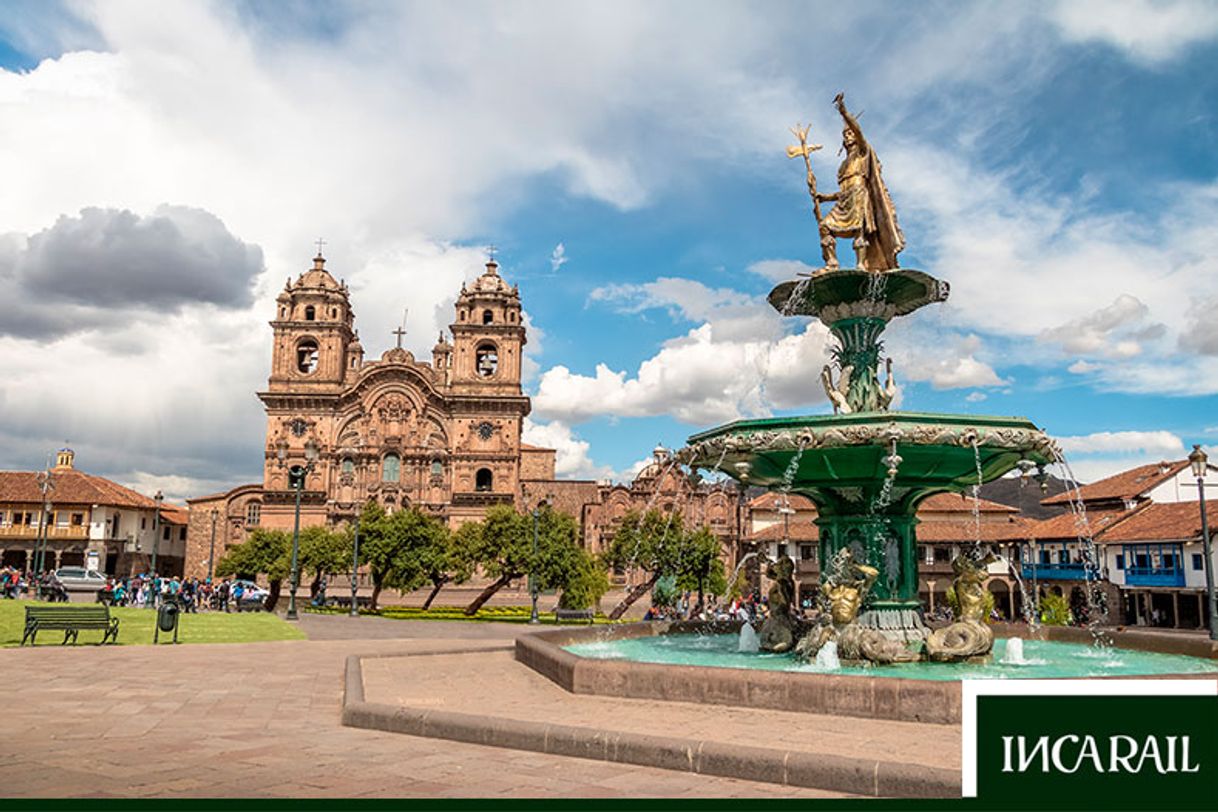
(86,521)
(661,485)
(441,435)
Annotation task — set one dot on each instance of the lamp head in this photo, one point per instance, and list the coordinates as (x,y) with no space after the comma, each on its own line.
(1199,461)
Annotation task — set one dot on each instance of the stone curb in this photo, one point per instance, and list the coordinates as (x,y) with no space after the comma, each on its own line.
(859,776)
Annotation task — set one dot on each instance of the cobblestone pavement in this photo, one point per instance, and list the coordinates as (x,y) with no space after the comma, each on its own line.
(494,684)
(262,719)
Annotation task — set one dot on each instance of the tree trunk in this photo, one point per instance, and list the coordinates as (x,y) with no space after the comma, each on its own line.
(377,583)
(315,586)
(701,594)
(486,594)
(439,584)
(633,595)
(273,597)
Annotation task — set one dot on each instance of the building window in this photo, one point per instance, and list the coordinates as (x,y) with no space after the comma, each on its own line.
(391,468)
(486,360)
(1197,561)
(348,466)
(78,519)
(143,523)
(165,533)
(487,317)
(1045,557)
(253,514)
(461,315)
(807,552)
(181,534)
(437,468)
(930,555)
(61,518)
(306,356)
(310,313)
(1063,557)
(512,318)
(483,479)
(1120,561)
(782,550)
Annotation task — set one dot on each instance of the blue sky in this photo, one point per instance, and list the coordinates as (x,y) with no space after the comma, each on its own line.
(1056,163)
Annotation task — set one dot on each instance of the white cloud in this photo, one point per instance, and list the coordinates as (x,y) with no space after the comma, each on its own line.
(1124,442)
(780,270)
(571,459)
(558,257)
(975,397)
(696,378)
(939,357)
(1117,330)
(1147,30)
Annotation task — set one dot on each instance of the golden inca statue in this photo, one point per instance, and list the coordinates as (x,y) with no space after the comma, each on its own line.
(969,636)
(862,208)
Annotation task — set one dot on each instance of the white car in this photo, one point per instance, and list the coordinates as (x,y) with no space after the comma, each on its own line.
(79,579)
(252,595)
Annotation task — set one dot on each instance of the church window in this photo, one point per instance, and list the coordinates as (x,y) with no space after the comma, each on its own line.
(437,468)
(487,317)
(486,360)
(310,313)
(334,312)
(306,355)
(391,468)
(484,479)
(461,315)
(512,317)
(253,514)
(348,466)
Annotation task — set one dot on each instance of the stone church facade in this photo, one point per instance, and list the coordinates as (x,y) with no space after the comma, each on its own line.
(441,435)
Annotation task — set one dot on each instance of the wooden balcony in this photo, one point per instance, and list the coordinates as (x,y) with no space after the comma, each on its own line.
(30,532)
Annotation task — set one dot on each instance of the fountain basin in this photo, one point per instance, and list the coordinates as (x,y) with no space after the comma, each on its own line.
(895,692)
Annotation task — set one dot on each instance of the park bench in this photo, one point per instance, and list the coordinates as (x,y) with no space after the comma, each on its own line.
(70,620)
(573,614)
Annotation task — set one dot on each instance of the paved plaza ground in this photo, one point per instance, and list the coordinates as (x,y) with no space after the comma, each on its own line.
(262,719)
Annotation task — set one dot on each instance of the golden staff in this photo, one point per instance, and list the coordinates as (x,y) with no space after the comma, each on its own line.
(805,149)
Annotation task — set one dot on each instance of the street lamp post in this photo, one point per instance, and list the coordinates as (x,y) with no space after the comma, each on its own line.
(158,497)
(533,618)
(46,481)
(1199,462)
(211,556)
(355,573)
(296,480)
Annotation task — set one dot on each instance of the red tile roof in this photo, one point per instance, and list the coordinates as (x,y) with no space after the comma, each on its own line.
(800,532)
(1125,485)
(771,500)
(1016,529)
(955,502)
(1067,526)
(172,514)
(1163,521)
(72,487)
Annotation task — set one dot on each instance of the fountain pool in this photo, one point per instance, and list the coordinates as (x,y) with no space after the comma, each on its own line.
(1040,659)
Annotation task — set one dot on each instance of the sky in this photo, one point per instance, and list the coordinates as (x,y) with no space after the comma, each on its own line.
(164,174)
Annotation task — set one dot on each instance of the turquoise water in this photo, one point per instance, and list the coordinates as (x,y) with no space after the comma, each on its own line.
(1042,659)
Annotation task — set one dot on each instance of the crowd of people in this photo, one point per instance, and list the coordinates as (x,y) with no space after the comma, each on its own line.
(145,589)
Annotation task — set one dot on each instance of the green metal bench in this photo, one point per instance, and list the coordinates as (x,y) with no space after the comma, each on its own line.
(573,614)
(70,620)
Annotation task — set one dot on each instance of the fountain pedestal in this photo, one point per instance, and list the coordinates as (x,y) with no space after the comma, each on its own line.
(865,468)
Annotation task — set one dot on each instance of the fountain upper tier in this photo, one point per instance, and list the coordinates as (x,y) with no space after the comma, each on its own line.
(854,293)
(844,460)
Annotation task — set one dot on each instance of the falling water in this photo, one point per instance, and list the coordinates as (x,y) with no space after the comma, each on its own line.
(731,582)
(749,643)
(977,496)
(797,295)
(826,657)
(1096,610)
(876,286)
(1014,652)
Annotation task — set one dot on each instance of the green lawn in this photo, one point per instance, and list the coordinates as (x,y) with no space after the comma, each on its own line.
(136,627)
(499,614)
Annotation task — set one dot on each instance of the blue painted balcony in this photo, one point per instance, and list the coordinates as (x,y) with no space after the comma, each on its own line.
(1151,576)
(1075,571)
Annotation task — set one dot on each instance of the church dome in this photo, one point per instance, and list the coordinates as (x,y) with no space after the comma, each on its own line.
(318,276)
(491,281)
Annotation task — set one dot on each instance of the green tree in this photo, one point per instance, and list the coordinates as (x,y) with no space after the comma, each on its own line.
(1055,610)
(443,558)
(651,542)
(700,565)
(265,552)
(323,551)
(503,546)
(390,546)
(585,589)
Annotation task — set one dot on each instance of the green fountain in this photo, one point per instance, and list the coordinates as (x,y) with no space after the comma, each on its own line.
(866,467)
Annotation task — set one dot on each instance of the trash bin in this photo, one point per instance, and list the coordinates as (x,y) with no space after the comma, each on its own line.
(167,620)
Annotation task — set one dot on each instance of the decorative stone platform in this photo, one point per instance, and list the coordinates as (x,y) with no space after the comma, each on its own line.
(499,702)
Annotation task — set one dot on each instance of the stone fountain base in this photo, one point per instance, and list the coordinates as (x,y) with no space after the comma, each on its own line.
(903,625)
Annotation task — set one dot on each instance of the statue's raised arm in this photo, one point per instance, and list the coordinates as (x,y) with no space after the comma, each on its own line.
(862,210)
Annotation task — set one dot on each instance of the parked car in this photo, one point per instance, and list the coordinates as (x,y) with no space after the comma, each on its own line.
(79,579)
(253,597)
